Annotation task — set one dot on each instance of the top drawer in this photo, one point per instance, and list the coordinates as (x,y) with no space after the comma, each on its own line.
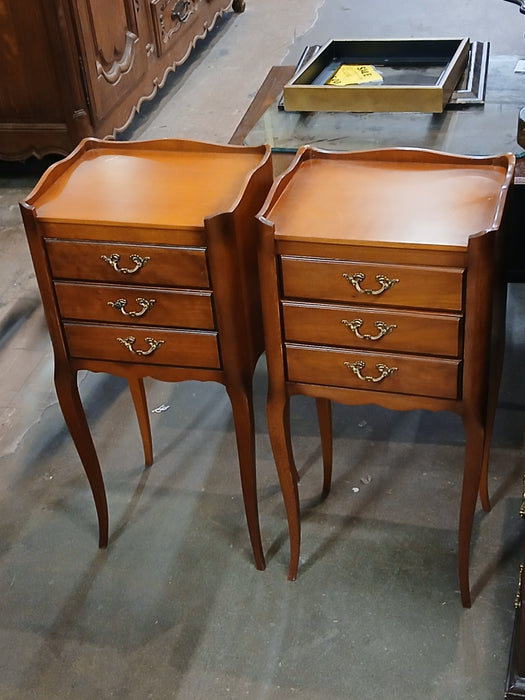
(439,288)
(118,262)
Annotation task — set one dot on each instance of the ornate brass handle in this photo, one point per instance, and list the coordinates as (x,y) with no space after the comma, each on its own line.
(114,259)
(130,340)
(358,365)
(382,327)
(181,11)
(356,279)
(120,304)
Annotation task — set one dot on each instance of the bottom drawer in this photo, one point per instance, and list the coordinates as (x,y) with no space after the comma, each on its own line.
(131,344)
(400,374)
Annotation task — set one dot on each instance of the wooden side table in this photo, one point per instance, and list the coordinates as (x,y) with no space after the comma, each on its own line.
(146,261)
(380,277)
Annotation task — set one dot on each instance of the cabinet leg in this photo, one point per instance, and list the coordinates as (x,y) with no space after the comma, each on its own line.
(474,452)
(324,416)
(243,418)
(492,404)
(278,416)
(75,418)
(138,394)
(484,478)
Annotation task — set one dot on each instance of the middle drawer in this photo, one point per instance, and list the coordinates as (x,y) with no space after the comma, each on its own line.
(381,329)
(155,306)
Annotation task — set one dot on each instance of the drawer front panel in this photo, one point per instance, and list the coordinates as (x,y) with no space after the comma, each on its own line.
(176,348)
(72,231)
(135,305)
(169,20)
(385,285)
(419,376)
(157,265)
(372,329)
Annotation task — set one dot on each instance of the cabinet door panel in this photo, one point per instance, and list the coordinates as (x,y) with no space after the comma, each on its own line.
(113,53)
(169,20)
(28,88)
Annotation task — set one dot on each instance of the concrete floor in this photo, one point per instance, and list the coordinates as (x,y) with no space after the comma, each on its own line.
(174,607)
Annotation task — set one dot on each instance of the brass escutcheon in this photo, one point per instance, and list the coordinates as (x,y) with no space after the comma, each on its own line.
(181,11)
(114,259)
(119,305)
(130,340)
(358,365)
(358,277)
(356,323)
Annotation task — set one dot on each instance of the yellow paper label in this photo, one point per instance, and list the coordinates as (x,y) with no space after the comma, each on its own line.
(348,74)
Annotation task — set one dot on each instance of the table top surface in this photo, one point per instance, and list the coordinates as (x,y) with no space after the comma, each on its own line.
(138,187)
(385,202)
(486,129)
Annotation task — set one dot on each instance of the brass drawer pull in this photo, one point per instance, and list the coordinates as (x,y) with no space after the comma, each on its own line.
(120,304)
(130,340)
(181,11)
(356,279)
(382,327)
(114,259)
(357,366)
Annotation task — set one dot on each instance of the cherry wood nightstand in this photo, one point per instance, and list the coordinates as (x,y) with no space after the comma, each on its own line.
(145,256)
(380,277)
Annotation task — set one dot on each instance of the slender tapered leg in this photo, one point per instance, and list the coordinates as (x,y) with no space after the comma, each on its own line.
(138,394)
(243,418)
(324,416)
(474,450)
(75,418)
(278,417)
(484,477)
(492,403)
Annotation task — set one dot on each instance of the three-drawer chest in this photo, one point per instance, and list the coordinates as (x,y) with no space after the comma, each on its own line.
(380,284)
(145,256)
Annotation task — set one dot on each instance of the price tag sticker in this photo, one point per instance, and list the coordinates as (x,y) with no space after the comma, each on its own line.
(349,74)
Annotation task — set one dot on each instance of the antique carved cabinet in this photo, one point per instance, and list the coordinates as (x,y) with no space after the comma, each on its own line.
(380,278)
(146,261)
(77,68)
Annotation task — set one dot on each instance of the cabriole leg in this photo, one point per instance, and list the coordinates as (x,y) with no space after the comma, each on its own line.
(138,394)
(75,418)
(243,418)
(278,416)
(474,448)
